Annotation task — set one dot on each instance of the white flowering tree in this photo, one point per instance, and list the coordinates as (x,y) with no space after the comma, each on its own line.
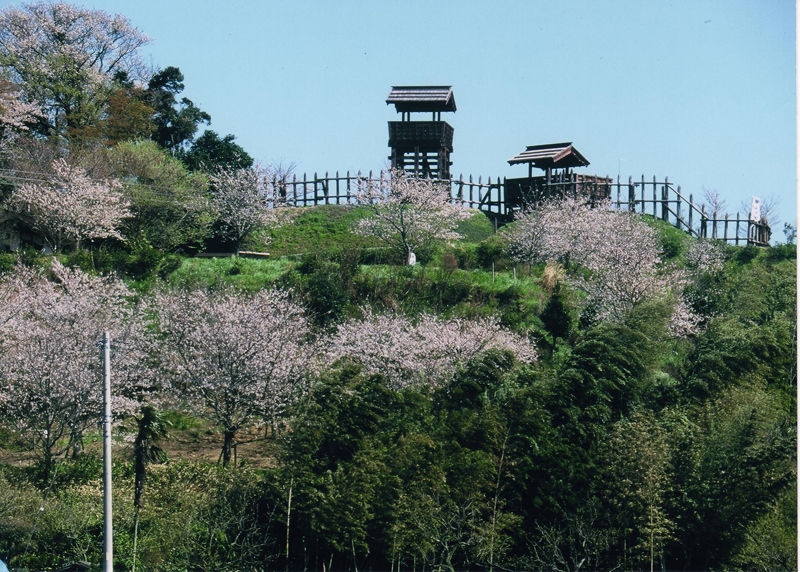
(50,370)
(235,357)
(705,262)
(409,214)
(245,202)
(16,114)
(612,255)
(64,57)
(69,207)
(705,257)
(428,352)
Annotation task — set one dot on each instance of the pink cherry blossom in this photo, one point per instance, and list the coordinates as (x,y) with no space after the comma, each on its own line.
(245,201)
(70,208)
(428,352)
(409,214)
(50,366)
(611,255)
(237,357)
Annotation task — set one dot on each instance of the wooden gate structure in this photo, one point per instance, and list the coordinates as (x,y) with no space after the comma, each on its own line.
(661,199)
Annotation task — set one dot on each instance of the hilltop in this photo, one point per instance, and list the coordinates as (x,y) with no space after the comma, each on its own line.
(521,456)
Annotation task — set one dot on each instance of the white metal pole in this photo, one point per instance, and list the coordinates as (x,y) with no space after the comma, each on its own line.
(108,531)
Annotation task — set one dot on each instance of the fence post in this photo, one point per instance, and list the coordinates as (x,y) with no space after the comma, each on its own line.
(726,228)
(737,229)
(703,222)
(644,205)
(654,198)
(678,201)
(664,205)
(691,212)
(631,194)
(714,225)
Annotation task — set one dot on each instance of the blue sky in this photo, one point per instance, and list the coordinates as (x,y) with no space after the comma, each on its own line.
(702,91)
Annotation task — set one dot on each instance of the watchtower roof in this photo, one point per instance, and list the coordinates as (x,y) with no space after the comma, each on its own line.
(552,155)
(422,98)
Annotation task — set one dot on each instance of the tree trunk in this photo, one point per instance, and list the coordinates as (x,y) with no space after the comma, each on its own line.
(77,443)
(135,538)
(227,447)
(139,472)
(48,463)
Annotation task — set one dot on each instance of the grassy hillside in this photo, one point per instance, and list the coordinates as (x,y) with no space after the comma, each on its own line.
(644,441)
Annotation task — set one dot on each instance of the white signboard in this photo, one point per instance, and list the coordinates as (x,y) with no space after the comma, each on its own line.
(755,210)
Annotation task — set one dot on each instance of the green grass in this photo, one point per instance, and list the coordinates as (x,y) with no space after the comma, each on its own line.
(330,228)
(475,229)
(325,227)
(244,273)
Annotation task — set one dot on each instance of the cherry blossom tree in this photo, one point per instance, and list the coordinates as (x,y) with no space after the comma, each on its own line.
(612,255)
(50,369)
(427,352)
(234,356)
(70,207)
(245,202)
(16,114)
(65,56)
(705,257)
(409,214)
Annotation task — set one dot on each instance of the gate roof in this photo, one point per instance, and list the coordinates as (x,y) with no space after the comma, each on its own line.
(550,155)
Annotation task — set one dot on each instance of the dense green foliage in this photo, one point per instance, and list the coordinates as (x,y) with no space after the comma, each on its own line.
(621,448)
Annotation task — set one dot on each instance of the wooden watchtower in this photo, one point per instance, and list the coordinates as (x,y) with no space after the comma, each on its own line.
(557,160)
(422,148)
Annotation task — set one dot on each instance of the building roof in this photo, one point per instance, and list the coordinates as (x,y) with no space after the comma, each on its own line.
(422,98)
(551,155)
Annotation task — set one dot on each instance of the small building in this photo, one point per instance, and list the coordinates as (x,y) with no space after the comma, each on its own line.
(422,148)
(558,161)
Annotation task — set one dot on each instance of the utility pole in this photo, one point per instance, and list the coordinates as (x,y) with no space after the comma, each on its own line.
(108,531)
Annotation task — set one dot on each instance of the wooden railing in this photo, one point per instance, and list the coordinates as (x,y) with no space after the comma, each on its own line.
(661,199)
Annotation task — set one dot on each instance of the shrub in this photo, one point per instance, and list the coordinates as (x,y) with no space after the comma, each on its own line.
(169,264)
(745,254)
(326,298)
(466,255)
(493,250)
(781,252)
(7,262)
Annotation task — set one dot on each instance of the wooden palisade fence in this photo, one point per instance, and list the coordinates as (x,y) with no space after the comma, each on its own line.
(661,199)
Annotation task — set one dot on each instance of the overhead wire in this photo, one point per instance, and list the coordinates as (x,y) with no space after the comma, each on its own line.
(21,176)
